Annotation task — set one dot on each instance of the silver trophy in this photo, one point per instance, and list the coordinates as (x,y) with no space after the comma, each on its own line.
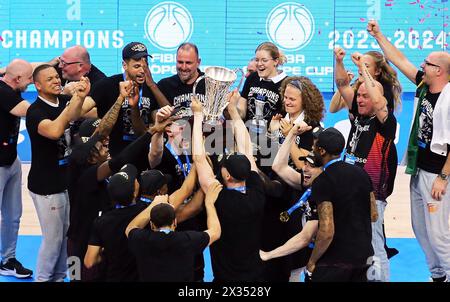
(259,122)
(218,81)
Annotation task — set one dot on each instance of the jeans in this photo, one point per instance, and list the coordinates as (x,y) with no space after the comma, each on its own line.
(381,262)
(53,214)
(430,223)
(10,208)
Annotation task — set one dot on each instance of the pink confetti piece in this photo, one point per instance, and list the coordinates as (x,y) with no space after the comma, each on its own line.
(445,25)
(388,4)
(1,38)
(421,21)
(415,2)
(420,46)
(421,6)
(362,19)
(411,29)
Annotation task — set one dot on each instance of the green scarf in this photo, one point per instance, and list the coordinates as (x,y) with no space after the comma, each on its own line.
(413,147)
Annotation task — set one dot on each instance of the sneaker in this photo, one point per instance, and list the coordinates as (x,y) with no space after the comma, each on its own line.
(439,279)
(14,268)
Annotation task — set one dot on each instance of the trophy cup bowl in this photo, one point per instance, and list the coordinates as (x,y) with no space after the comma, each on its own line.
(218,81)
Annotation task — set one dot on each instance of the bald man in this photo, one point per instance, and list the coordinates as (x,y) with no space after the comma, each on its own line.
(12,107)
(428,159)
(74,63)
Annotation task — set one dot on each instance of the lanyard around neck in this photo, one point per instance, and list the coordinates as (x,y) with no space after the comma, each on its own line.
(330,163)
(241,189)
(177,158)
(302,200)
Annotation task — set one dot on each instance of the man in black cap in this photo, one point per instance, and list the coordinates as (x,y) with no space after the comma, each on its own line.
(136,112)
(345,202)
(240,205)
(108,241)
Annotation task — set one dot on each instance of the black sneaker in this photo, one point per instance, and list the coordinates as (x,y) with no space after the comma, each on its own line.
(439,279)
(14,268)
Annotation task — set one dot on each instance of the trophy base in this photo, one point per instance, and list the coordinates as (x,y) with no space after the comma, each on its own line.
(214,122)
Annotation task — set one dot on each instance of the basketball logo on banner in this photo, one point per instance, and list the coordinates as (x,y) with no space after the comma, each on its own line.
(290,26)
(168,24)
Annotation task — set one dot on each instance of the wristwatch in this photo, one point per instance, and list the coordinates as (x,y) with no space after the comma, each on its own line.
(443,176)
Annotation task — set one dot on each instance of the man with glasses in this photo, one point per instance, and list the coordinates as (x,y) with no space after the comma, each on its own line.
(74,63)
(428,159)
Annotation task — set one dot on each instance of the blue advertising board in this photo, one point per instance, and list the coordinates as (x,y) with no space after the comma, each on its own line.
(227,33)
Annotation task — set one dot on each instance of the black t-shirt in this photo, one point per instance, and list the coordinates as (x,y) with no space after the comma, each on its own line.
(235,256)
(87,198)
(105,94)
(427,160)
(179,94)
(169,165)
(348,188)
(108,232)
(375,151)
(267,91)
(49,158)
(167,257)
(9,124)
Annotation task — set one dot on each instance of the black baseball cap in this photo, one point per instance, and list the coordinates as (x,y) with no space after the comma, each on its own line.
(87,128)
(121,185)
(237,165)
(316,131)
(331,140)
(152,180)
(135,50)
(312,159)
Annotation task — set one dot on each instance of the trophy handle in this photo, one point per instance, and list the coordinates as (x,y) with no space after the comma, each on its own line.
(242,78)
(196,83)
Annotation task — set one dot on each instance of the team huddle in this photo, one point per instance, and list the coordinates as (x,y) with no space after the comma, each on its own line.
(127,177)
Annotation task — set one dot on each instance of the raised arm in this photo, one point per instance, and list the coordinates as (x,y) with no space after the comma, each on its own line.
(337,101)
(242,106)
(374,88)
(205,172)
(110,118)
(179,196)
(136,121)
(214,230)
(280,163)
(325,233)
(157,145)
(296,243)
(341,77)
(159,96)
(241,134)
(192,208)
(54,129)
(143,218)
(391,52)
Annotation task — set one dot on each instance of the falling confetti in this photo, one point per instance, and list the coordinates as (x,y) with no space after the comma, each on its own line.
(319,32)
(362,19)
(259,33)
(1,38)
(445,25)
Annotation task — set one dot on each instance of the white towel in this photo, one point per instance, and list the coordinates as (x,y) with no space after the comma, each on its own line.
(441,123)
